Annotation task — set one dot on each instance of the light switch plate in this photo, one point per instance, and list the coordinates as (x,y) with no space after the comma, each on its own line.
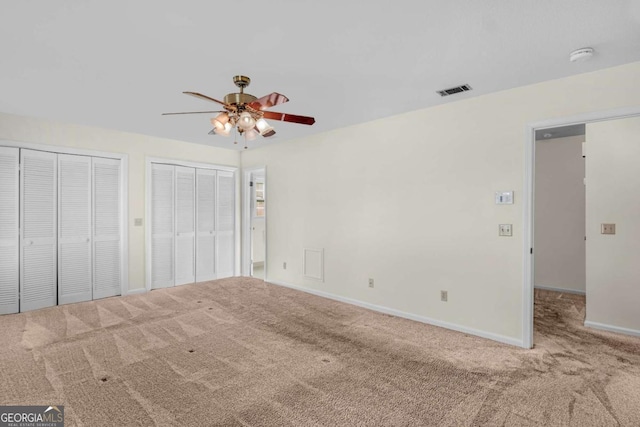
(504,197)
(505,230)
(607,229)
(137,222)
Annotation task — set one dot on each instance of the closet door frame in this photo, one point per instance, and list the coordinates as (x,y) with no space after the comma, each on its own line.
(10,277)
(124,193)
(149,161)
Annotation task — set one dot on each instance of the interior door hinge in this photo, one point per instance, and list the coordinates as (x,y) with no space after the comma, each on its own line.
(531,250)
(250,183)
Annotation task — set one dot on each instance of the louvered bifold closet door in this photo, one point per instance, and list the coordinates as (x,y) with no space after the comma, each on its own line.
(185,225)
(205,225)
(107,224)
(38,261)
(9,230)
(74,229)
(162,226)
(225,224)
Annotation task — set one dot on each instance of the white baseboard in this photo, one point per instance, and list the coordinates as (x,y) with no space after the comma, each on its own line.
(136,291)
(386,310)
(611,328)
(563,290)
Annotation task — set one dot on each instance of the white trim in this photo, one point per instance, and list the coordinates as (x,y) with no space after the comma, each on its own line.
(176,162)
(247,218)
(386,310)
(61,150)
(563,290)
(137,291)
(124,192)
(528,256)
(147,224)
(591,117)
(611,328)
(528,200)
(237,244)
(124,211)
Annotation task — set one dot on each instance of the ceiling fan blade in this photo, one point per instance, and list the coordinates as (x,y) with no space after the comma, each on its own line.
(267,101)
(205,97)
(192,112)
(303,120)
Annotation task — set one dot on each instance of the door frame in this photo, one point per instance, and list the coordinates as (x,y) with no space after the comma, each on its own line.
(124,194)
(529,202)
(247,219)
(149,160)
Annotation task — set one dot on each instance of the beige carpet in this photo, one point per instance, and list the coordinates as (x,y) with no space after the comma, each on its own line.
(240,352)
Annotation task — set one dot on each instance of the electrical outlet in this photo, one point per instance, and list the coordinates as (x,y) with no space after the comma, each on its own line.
(284,265)
(444,296)
(137,222)
(608,229)
(371,283)
(505,230)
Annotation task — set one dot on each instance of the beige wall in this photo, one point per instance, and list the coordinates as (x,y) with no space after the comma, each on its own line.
(409,201)
(560,214)
(613,196)
(137,147)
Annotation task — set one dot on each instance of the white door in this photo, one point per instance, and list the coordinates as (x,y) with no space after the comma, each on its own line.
(205,225)
(162,225)
(107,219)
(74,229)
(38,261)
(9,230)
(225,222)
(185,225)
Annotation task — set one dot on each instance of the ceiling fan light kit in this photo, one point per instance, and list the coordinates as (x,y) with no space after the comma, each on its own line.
(246,113)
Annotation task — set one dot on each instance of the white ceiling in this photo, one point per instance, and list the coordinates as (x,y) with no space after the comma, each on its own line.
(119,64)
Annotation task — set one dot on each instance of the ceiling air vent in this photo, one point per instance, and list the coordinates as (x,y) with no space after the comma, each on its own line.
(454,90)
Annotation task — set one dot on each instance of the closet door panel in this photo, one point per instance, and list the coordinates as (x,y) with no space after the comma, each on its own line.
(185,225)
(9,230)
(225,220)
(205,225)
(74,229)
(162,226)
(107,220)
(38,267)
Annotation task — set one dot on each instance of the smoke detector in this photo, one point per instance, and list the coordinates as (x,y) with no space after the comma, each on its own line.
(580,55)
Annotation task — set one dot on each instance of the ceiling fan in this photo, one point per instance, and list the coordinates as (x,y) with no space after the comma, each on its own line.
(247,113)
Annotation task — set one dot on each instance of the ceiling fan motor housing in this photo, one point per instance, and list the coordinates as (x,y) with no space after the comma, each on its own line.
(239,98)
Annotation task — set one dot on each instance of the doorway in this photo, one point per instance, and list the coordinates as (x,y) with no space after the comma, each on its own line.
(255,217)
(531,249)
(559,211)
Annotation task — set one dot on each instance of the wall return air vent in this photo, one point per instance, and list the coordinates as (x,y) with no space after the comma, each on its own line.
(454,90)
